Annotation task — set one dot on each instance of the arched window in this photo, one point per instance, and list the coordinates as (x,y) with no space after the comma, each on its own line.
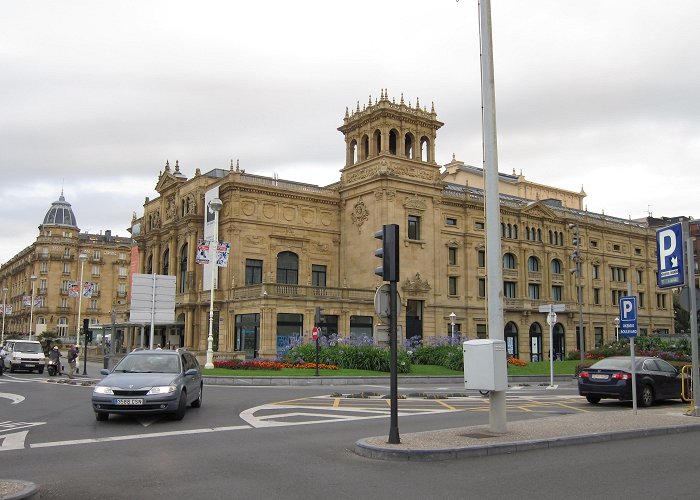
(377,142)
(559,342)
(393,139)
(515,231)
(561,239)
(353,152)
(183,268)
(511,337)
(533,264)
(527,233)
(408,146)
(149,264)
(509,231)
(288,268)
(365,147)
(166,261)
(539,235)
(424,149)
(509,261)
(551,237)
(556,266)
(503,230)
(535,342)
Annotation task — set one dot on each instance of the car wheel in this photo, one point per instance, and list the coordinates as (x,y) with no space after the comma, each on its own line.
(101,417)
(181,407)
(593,399)
(647,396)
(41,370)
(198,402)
(12,369)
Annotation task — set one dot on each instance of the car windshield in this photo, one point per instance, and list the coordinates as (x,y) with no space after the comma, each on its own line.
(149,364)
(614,364)
(27,347)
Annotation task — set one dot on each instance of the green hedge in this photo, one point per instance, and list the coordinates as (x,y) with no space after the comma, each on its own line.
(349,356)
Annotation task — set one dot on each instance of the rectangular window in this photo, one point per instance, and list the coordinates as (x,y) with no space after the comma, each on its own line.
(509,289)
(452,256)
(95,270)
(596,271)
(640,276)
(640,300)
(95,255)
(66,268)
(318,275)
(64,302)
(66,252)
(452,285)
(413,227)
(616,294)
(253,271)
(451,221)
(93,304)
(43,267)
(596,296)
(481,258)
(481,332)
(557,293)
(598,333)
(42,284)
(482,287)
(360,327)
(594,244)
(618,274)
(121,289)
(661,300)
(122,255)
(479,225)
(122,272)
(533,291)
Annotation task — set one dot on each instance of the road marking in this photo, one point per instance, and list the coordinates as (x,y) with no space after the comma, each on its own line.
(139,436)
(14,441)
(15,398)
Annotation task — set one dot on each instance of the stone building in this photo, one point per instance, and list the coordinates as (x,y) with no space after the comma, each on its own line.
(296,246)
(46,268)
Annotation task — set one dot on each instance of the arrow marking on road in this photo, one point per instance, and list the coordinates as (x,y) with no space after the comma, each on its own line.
(15,398)
(14,441)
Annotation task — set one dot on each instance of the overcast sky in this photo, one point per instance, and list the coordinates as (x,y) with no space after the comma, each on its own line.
(96,95)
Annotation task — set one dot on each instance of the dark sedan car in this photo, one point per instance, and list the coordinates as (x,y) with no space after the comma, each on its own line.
(612,378)
(153,381)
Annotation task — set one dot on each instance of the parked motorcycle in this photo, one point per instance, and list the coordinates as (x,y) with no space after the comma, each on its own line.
(53,367)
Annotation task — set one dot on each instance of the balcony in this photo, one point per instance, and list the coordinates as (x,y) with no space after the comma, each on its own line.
(535,276)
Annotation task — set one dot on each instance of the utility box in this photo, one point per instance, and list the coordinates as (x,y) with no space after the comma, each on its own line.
(485,365)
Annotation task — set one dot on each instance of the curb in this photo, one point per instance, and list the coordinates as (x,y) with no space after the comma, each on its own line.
(364,449)
(406,379)
(19,490)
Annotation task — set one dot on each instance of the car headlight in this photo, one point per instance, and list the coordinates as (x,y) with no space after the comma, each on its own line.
(162,389)
(103,389)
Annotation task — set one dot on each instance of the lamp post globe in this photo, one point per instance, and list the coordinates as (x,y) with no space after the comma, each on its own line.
(215,206)
(617,328)
(452,322)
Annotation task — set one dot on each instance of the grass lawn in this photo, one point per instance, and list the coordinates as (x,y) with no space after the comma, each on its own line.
(541,368)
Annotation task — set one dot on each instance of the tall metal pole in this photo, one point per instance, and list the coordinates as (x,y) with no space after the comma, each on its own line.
(690,266)
(82,258)
(4,311)
(393,369)
(497,399)
(215,205)
(31,308)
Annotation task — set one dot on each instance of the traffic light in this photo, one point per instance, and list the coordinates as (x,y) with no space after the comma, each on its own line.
(320,316)
(389,253)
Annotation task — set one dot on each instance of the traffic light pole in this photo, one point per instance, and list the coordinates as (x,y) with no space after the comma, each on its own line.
(86,325)
(394,379)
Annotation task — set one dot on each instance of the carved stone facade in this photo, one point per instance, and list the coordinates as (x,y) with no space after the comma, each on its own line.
(297,246)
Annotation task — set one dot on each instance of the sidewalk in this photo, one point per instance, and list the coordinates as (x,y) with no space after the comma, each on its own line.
(532,434)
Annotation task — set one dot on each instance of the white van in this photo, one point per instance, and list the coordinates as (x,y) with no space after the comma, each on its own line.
(24,355)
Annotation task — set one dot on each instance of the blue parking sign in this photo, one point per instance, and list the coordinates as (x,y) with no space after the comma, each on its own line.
(669,257)
(628,317)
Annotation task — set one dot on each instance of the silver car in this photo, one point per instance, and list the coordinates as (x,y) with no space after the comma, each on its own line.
(150,381)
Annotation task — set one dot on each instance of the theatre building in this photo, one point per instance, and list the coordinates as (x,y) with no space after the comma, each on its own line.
(297,246)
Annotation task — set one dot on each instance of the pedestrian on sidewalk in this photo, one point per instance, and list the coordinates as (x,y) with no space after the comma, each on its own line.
(72,361)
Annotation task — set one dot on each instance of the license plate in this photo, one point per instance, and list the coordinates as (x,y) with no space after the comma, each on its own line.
(30,365)
(598,376)
(128,402)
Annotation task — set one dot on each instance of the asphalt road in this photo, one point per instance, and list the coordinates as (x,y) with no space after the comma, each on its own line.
(296,442)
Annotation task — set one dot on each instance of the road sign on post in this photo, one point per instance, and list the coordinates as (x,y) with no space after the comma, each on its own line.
(628,317)
(669,256)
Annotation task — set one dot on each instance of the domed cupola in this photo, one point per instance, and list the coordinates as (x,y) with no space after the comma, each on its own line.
(60,214)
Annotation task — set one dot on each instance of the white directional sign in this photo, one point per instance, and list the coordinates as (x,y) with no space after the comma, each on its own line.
(669,256)
(628,316)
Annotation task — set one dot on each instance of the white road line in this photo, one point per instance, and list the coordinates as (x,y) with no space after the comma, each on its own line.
(139,436)
(15,398)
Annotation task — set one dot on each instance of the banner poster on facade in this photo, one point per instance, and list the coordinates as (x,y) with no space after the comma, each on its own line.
(222,251)
(74,289)
(27,302)
(202,252)
(210,233)
(8,310)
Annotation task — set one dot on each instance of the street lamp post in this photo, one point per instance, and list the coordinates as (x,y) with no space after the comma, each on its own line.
(215,205)
(4,311)
(617,328)
(83,257)
(452,322)
(31,307)
(579,292)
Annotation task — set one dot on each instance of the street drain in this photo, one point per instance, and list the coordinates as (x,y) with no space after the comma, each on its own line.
(477,435)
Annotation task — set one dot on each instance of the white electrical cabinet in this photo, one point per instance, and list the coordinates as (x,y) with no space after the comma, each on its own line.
(485,365)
